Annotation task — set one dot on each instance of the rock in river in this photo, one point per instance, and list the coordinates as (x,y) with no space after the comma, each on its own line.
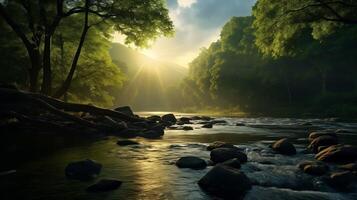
(225,182)
(126,110)
(219,144)
(83,170)
(127,142)
(220,155)
(338,154)
(191,162)
(322,141)
(284,147)
(317,134)
(169,118)
(314,167)
(104,185)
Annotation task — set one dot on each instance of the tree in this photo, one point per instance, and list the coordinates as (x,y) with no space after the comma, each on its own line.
(139,20)
(280,23)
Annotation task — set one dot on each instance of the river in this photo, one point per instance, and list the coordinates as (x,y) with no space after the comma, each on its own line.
(148,170)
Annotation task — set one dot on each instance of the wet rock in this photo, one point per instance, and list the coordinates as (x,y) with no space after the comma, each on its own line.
(208,125)
(185,120)
(321,148)
(220,155)
(169,118)
(350,166)
(104,185)
(127,142)
(126,110)
(191,162)
(325,141)
(83,170)
(313,167)
(342,179)
(219,144)
(338,154)
(235,163)
(154,118)
(317,134)
(225,182)
(283,146)
(240,124)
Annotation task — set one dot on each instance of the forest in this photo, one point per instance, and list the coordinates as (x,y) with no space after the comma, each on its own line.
(260,67)
(96,100)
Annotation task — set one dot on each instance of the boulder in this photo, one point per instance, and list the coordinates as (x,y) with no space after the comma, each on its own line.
(325,141)
(83,170)
(338,154)
(219,122)
(219,144)
(225,182)
(220,155)
(321,148)
(127,142)
(284,147)
(170,118)
(104,185)
(191,162)
(240,124)
(185,120)
(317,134)
(313,167)
(126,110)
(208,125)
(235,163)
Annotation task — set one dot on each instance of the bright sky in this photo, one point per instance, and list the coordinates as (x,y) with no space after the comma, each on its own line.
(197,24)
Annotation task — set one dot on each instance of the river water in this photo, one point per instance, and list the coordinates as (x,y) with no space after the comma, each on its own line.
(148,171)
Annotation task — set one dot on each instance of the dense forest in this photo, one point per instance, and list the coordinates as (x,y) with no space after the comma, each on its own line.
(263,64)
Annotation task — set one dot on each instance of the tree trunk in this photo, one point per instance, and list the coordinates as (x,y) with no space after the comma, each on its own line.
(47,74)
(67,83)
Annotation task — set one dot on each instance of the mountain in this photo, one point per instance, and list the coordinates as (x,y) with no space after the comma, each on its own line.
(150,83)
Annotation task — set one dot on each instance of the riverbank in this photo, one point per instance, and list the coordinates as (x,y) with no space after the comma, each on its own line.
(148,169)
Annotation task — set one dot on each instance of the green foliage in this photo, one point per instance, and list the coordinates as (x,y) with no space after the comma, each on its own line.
(280,24)
(232,73)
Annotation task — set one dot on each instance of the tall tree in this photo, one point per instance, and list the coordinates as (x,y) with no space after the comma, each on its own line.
(139,20)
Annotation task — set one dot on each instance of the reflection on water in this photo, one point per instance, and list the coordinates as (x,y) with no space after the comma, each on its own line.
(147,170)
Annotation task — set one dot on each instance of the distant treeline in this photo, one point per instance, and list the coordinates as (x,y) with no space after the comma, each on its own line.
(276,71)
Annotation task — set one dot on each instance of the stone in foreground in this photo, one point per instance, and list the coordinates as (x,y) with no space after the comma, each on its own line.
(191,162)
(220,155)
(338,154)
(284,147)
(83,170)
(225,182)
(104,185)
(322,141)
(169,118)
(314,167)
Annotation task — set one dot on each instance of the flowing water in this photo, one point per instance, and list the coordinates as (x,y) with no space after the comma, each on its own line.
(148,171)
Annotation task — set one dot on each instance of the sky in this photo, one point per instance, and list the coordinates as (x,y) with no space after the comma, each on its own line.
(197,24)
